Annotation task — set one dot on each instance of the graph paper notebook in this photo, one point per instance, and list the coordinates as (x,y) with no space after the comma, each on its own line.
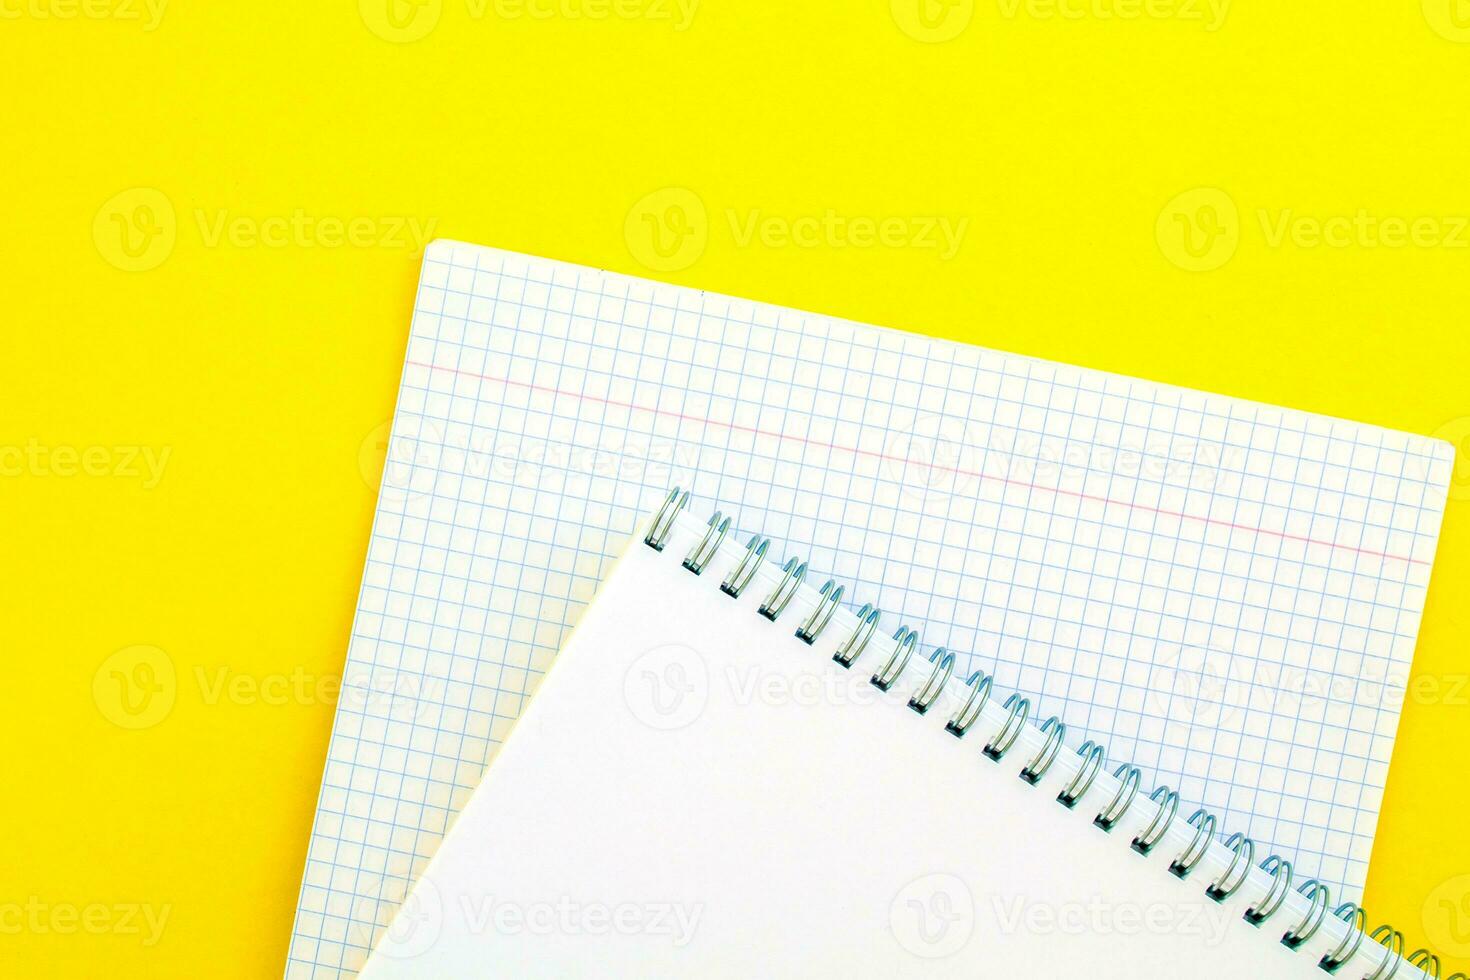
(1228,594)
(725,774)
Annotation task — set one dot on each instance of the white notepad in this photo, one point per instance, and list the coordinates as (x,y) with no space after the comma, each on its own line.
(1226,593)
(697,792)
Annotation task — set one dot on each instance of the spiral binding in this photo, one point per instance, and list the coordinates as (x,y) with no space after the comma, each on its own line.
(1093,754)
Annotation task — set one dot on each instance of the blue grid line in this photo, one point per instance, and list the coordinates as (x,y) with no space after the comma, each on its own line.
(1264,634)
(1020,403)
(531,314)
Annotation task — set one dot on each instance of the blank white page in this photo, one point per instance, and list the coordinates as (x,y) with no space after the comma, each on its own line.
(694,792)
(1226,593)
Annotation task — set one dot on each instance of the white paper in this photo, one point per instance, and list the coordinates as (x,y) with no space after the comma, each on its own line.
(1226,594)
(694,792)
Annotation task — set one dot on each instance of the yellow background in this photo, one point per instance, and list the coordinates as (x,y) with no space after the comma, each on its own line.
(263,358)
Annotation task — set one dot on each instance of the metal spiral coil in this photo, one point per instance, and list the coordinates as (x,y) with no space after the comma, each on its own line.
(1393,941)
(1203,823)
(904,643)
(1092,754)
(1019,708)
(1128,779)
(1054,731)
(1423,959)
(741,574)
(1168,802)
(1280,871)
(1357,920)
(861,634)
(775,604)
(808,631)
(1319,895)
(969,712)
(1244,856)
(708,545)
(943,667)
(663,521)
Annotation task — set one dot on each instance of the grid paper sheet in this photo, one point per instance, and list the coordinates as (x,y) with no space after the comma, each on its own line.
(1224,593)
